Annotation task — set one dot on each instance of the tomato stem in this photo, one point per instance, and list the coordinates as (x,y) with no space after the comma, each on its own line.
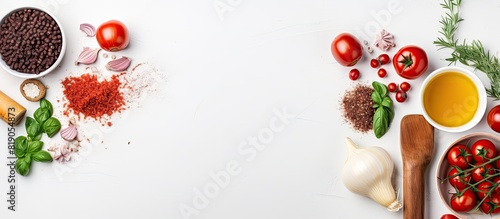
(407,62)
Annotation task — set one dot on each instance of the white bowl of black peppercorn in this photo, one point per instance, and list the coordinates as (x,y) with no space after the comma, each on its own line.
(32,42)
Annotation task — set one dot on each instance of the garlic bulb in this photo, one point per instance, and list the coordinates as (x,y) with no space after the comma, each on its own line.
(368,172)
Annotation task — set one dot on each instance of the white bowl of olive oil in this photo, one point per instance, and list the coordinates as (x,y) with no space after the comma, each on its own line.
(453,99)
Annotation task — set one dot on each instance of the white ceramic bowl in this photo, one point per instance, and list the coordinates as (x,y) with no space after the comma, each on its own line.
(482,101)
(445,189)
(59,58)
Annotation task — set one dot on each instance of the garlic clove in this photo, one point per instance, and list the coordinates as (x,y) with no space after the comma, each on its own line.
(69,133)
(87,56)
(120,64)
(88,29)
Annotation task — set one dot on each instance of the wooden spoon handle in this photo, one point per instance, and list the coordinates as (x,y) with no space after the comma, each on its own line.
(414,191)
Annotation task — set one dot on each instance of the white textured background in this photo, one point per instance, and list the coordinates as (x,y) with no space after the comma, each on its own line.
(228,73)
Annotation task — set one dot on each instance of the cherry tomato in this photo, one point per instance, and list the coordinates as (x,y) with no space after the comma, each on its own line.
(463,201)
(491,205)
(346,49)
(460,181)
(382,72)
(401,96)
(354,74)
(405,86)
(384,59)
(480,173)
(483,189)
(483,150)
(449,216)
(112,36)
(494,118)
(459,155)
(410,62)
(392,87)
(374,63)
(496,181)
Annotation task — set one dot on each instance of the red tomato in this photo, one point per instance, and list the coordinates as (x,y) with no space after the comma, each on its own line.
(374,63)
(494,118)
(496,181)
(384,59)
(459,155)
(382,72)
(392,87)
(354,74)
(463,201)
(401,96)
(491,205)
(483,150)
(460,181)
(410,62)
(449,216)
(483,189)
(405,86)
(346,49)
(480,173)
(112,36)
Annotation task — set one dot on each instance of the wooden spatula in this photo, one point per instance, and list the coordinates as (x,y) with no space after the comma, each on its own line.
(417,148)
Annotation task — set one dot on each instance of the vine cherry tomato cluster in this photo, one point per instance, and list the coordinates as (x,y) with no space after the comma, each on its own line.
(401,92)
(475,176)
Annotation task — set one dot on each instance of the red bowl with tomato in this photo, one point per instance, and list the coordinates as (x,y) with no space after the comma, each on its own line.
(468,176)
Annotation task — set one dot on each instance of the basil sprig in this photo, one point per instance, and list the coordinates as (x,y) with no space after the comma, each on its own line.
(384,113)
(29,148)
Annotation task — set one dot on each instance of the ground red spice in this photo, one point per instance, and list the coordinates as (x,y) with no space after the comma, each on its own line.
(92,98)
(357,107)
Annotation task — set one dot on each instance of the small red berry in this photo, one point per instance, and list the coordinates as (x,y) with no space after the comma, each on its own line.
(354,74)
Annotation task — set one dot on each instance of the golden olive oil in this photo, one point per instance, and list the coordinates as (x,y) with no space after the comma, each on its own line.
(451,99)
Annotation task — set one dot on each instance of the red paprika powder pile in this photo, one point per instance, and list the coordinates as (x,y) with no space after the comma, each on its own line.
(88,96)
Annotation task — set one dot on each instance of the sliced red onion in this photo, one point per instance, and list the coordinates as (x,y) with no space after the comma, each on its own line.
(87,56)
(88,29)
(120,64)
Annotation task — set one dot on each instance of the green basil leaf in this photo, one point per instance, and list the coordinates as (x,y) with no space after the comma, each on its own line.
(33,130)
(380,88)
(42,156)
(20,146)
(46,104)
(23,165)
(390,114)
(28,122)
(41,115)
(51,126)
(375,106)
(387,102)
(380,122)
(35,146)
(36,138)
(376,98)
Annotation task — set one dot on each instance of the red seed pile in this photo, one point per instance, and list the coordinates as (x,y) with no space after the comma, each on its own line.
(88,96)
(357,107)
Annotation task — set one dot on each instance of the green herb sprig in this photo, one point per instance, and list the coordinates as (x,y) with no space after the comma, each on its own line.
(29,148)
(473,54)
(384,113)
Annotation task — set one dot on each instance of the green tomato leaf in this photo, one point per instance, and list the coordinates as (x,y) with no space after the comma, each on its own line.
(41,115)
(23,165)
(380,88)
(42,156)
(51,126)
(34,130)
(380,122)
(387,102)
(35,146)
(29,121)
(46,104)
(20,146)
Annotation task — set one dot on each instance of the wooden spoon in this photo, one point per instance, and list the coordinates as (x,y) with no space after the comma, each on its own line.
(417,148)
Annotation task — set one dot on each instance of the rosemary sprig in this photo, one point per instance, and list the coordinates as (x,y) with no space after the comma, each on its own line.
(473,54)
